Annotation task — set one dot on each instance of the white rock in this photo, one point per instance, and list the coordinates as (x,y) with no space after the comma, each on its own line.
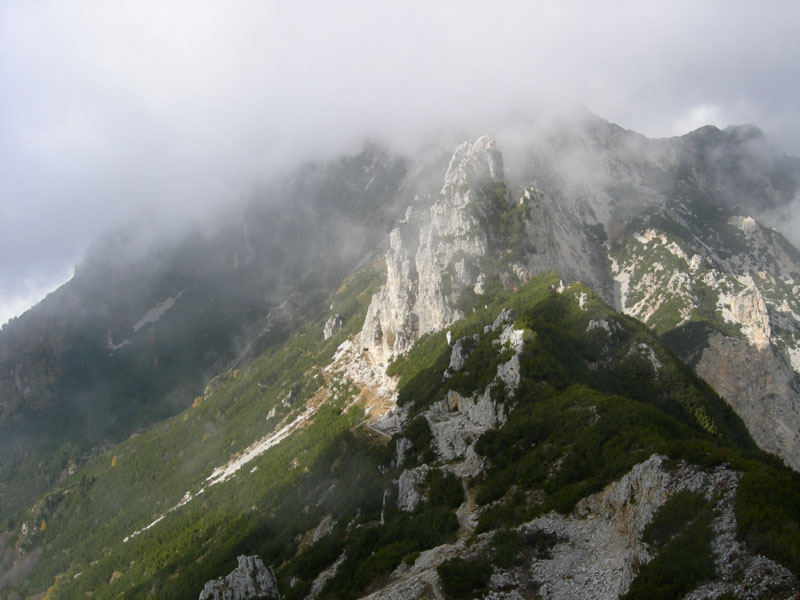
(410,486)
(250,580)
(420,293)
(333,326)
(462,348)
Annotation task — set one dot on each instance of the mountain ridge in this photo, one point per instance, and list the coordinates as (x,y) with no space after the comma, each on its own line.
(469,339)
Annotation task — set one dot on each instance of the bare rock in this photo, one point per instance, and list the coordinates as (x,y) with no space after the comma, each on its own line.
(433,255)
(505,317)
(402,446)
(761,388)
(325,526)
(410,487)
(250,580)
(333,326)
(462,348)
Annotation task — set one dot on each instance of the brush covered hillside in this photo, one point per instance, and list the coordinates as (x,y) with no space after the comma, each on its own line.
(563,447)
(494,402)
(149,319)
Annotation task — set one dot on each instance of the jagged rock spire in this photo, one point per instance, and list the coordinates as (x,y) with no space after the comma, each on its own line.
(434,254)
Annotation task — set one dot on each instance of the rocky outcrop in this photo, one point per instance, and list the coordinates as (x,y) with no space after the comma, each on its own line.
(761,388)
(411,487)
(457,421)
(600,543)
(325,575)
(249,581)
(460,352)
(597,548)
(557,237)
(748,309)
(478,409)
(434,254)
(332,326)
(325,526)
(438,254)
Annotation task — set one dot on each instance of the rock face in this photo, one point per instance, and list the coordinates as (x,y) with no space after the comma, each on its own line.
(437,254)
(333,326)
(731,309)
(462,348)
(410,487)
(760,387)
(434,254)
(632,222)
(598,546)
(249,581)
(557,237)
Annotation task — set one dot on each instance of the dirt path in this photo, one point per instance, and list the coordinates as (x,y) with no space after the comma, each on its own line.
(373,429)
(465,513)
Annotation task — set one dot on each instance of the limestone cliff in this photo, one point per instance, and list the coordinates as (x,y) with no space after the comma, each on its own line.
(435,253)
(730,309)
(760,387)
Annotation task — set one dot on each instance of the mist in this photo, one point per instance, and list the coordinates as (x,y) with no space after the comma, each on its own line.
(169,112)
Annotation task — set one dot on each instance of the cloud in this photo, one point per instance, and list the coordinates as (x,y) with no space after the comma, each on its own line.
(31,289)
(697,116)
(109,109)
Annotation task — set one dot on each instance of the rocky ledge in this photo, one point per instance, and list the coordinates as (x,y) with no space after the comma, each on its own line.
(249,581)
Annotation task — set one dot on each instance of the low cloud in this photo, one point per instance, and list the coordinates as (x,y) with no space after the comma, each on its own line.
(172,109)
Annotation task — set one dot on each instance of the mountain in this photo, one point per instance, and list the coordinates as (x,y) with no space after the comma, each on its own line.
(148,320)
(655,227)
(507,397)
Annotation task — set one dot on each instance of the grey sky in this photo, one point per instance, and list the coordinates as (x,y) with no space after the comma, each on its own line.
(110,108)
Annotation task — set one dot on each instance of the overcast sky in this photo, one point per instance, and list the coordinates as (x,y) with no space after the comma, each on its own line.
(110,108)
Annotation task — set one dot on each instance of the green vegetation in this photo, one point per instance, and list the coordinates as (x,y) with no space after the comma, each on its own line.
(681,534)
(590,405)
(374,551)
(418,432)
(506,547)
(767,509)
(680,509)
(81,397)
(560,350)
(421,370)
(464,579)
(132,484)
(595,437)
(444,489)
(510,545)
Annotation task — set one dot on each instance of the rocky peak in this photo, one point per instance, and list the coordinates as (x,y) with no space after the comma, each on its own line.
(434,254)
(477,161)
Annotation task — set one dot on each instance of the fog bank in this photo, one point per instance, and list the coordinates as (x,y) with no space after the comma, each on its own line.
(171,110)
